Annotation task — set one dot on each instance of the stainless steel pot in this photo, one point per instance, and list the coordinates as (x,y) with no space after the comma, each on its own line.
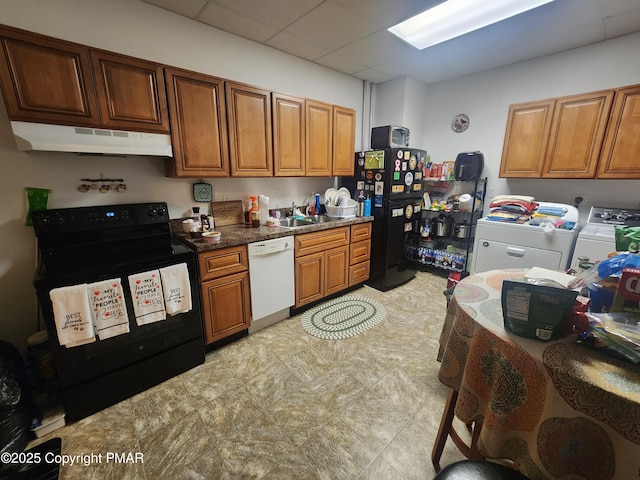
(461,230)
(443,226)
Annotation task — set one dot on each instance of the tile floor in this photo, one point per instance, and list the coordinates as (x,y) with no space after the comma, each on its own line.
(281,404)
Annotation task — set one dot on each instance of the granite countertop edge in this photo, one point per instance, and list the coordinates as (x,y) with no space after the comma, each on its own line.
(239,234)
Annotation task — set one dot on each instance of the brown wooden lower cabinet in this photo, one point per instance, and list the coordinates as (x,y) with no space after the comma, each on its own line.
(359,253)
(330,261)
(224,287)
(226,306)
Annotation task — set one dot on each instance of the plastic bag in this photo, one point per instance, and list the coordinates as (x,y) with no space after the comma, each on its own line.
(15,403)
(627,238)
(606,268)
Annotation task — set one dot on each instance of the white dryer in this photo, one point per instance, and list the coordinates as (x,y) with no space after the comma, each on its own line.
(500,245)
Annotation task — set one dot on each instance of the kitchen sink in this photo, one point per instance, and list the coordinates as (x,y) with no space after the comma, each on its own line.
(291,222)
(321,218)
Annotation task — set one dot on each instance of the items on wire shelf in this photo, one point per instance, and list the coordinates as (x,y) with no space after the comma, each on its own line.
(525,209)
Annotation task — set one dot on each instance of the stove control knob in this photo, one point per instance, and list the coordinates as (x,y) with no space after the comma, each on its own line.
(162,212)
(622,216)
(152,212)
(605,215)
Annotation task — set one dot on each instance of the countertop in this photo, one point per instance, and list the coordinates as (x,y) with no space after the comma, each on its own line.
(233,235)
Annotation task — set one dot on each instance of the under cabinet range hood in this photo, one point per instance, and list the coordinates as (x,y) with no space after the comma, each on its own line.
(60,138)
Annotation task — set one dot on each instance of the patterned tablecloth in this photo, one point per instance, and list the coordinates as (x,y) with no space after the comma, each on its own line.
(558,409)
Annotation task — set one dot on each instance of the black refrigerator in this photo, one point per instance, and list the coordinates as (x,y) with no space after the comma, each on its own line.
(392,179)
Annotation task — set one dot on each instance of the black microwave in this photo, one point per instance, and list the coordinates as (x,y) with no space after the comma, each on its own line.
(389,136)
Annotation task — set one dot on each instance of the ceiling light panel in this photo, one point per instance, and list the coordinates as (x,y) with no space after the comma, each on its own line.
(453,18)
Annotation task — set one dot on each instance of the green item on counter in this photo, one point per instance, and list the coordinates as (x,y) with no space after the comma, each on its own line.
(37,198)
(627,239)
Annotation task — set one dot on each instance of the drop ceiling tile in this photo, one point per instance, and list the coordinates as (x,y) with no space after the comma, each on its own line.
(377,48)
(299,47)
(232,22)
(331,26)
(277,13)
(188,8)
(385,13)
(373,75)
(621,24)
(340,63)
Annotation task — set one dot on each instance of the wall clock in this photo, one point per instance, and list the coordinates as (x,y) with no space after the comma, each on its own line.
(202,192)
(460,123)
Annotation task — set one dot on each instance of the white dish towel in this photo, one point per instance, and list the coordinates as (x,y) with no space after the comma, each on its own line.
(109,310)
(72,315)
(176,288)
(146,294)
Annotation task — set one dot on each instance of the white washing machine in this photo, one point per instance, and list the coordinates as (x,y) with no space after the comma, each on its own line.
(597,239)
(508,245)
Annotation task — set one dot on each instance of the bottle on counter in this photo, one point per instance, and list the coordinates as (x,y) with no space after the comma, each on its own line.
(254,213)
(361,204)
(204,221)
(367,207)
(317,205)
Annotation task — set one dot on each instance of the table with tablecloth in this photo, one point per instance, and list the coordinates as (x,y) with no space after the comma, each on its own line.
(557,409)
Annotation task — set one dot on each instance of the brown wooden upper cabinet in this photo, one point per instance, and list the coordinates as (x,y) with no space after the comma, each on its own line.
(250,137)
(344,139)
(198,125)
(578,136)
(620,156)
(48,80)
(131,92)
(289,157)
(577,132)
(526,138)
(312,138)
(319,147)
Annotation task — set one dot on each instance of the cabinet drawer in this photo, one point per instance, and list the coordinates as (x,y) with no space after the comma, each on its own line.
(217,263)
(360,232)
(359,252)
(315,242)
(359,273)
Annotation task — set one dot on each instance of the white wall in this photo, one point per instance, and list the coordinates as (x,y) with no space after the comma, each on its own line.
(486,97)
(140,30)
(401,101)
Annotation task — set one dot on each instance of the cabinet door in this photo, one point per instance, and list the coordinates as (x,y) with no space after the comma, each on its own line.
(288,136)
(621,152)
(344,139)
(46,80)
(526,138)
(131,92)
(309,278)
(198,125)
(336,270)
(226,306)
(319,147)
(249,119)
(577,134)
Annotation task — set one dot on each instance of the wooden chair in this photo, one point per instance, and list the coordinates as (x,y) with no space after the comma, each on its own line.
(478,470)
(447,430)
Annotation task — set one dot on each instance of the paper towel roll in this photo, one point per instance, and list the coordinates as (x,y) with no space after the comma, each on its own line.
(263,206)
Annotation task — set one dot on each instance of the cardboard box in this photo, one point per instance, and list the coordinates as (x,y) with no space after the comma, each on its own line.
(627,295)
(536,311)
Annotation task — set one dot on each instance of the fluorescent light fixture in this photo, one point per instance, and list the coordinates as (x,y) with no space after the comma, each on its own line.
(453,18)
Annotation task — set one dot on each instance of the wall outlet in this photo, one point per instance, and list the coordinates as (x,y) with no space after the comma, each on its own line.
(226,198)
(579,200)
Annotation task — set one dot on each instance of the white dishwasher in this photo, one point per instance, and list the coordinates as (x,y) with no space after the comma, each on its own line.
(271,273)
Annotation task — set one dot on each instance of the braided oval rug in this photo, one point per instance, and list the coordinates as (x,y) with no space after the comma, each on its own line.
(342,317)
